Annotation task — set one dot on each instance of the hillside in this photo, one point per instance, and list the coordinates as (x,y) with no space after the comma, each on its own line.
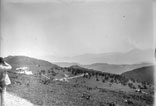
(143,74)
(66,64)
(108,80)
(23,60)
(95,89)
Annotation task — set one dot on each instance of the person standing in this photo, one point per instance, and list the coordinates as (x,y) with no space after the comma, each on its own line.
(4,79)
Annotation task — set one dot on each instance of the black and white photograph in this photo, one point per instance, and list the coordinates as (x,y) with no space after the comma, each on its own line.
(77,52)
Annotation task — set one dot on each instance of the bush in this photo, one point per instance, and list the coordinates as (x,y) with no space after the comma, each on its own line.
(43,72)
(131,85)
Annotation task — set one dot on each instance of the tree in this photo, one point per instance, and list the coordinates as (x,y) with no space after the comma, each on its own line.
(111,80)
(103,80)
(43,71)
(97,79)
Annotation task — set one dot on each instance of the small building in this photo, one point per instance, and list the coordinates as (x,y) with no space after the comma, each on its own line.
(24,70)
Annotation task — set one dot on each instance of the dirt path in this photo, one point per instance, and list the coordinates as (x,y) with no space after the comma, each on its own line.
(13,100)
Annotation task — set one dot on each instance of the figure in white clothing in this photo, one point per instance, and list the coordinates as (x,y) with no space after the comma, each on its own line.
(4,78)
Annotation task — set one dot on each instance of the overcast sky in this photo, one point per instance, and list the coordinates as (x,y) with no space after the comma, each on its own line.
(72,27)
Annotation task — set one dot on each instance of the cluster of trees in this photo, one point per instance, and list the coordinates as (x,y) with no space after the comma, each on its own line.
(112,78)
(50,72)
(99,75)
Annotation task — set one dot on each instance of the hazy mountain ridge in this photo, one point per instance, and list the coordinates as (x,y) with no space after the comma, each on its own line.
(104,67)
(134,56)
(66,64)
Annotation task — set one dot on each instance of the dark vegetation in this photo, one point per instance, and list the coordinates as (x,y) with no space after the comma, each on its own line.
(75,70)
(105,77)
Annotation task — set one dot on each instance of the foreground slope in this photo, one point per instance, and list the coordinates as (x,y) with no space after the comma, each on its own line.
(14,100)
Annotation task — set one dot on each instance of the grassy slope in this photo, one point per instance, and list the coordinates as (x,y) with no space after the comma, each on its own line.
(44,92)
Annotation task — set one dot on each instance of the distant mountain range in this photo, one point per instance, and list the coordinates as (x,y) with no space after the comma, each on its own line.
(66,64)
(104,67)
(134,56)
(141,74)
